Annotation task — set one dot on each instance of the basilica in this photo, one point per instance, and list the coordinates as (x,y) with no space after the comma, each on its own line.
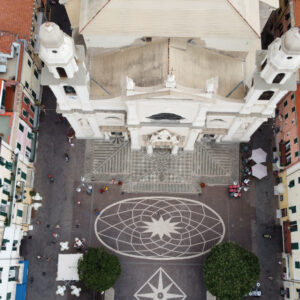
(167,74)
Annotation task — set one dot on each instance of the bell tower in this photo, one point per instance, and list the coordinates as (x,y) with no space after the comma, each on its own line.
(283,58)
(57,51)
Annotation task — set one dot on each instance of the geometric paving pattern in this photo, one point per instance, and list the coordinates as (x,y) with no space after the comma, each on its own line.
(212,163)
(159,228)
(160,286)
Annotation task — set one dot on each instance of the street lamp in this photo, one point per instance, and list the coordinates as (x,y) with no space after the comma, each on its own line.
(88,188)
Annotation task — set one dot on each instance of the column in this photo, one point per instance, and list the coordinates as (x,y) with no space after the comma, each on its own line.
(149,149)
(95,127)
(73,120)
(106,136)
(250,99)
(61,98)
(270,107)
(252,128)
(132,117)
(201,117)
(135,138)
(175,150)
(189,145)
(237,122)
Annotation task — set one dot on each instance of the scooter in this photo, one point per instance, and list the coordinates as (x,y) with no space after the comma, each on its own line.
(267,236)
(67,158)
(50,176)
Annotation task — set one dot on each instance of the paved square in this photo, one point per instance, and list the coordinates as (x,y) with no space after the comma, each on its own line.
(159,228)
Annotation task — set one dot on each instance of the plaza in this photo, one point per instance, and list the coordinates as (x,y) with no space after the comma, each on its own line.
(231,219)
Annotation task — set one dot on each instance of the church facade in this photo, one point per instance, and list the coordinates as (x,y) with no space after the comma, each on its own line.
(167,88)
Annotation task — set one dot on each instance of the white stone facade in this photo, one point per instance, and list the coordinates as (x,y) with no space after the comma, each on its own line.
(177,115)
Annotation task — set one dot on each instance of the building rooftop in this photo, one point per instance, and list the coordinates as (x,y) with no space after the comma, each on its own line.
(6,39)
(148,65)
(16,17)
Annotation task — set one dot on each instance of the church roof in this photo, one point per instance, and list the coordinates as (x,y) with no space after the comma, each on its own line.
(175,18)
(149,65)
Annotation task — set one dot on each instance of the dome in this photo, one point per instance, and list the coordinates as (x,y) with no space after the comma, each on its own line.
(50,35)
(291,41)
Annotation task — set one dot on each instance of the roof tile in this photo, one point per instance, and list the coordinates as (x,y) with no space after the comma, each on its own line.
(6,40)
(16,17)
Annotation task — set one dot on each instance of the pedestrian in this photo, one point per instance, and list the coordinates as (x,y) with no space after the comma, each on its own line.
(102,191)
(38,222)
(78,202)
(48,259)
(30,237)
(57,226)
(106,188)
(39,257)
(55,235)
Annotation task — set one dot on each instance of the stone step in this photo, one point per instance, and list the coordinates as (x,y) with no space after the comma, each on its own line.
(138,187)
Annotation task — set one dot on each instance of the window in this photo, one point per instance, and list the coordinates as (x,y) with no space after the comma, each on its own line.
(33,94)
(283,212)
(25,113)
(287,16)
(19,146)
(293,226)
(278,78)
(287,146)
(21,127)
(295,246)
(26,85)
(293,108)
(296,154)
(29,63)
(292,183)
(19,213)
(264,64)
(69,90)
(289,26)
(293,96)
(28,149)
(298,179)
(8,166)
(26,100)
(32,43)
(293,209)
(31,120)
(30,135)
(61,72)
(285,103)
(24,176)
(32,108)
(36,74)
(267,95)
(297,264)
(286,115)
(295,140)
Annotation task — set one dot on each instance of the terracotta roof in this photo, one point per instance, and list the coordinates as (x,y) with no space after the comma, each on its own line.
(6,40)
(16,17)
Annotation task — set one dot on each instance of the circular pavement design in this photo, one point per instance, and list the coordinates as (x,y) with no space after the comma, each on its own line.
(159,228)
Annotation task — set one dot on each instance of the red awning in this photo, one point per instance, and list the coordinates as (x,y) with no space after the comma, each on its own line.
(287,237)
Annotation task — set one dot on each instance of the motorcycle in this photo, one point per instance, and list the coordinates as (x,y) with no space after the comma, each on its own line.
(67,158)
(51,178)
(267,236)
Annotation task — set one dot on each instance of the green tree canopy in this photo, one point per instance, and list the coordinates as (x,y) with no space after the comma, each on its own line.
(230,271)
(98,269)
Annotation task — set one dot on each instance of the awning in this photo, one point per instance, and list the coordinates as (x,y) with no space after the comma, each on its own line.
(67,267)
(282,153)
(287,238)
(21,287)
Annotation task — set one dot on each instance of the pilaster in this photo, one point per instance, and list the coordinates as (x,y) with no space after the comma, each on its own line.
(190,143)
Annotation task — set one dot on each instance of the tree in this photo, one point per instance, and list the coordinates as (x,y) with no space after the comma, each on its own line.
(230,271)
(98,269)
